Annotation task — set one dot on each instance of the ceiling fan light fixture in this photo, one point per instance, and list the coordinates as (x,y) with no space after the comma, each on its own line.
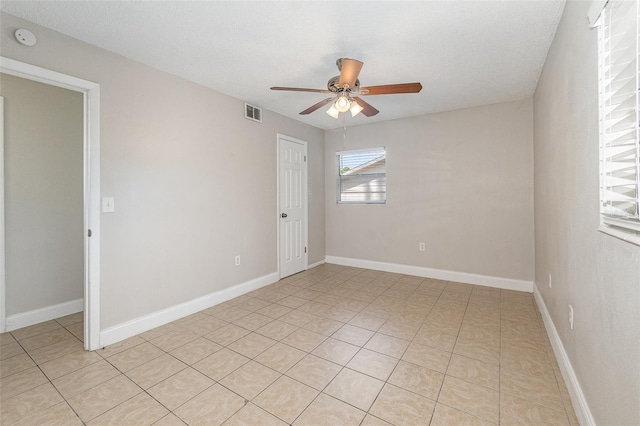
(355,108)
(343,103)
(333,112)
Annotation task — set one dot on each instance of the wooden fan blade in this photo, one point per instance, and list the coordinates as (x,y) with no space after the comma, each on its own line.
(367,109)
(300,89)
(349,72)
(316,106)
(390,89)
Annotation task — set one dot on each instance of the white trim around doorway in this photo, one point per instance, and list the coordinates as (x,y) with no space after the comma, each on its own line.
(91,93)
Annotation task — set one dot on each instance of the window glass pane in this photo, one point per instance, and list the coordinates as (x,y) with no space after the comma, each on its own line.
(362,176)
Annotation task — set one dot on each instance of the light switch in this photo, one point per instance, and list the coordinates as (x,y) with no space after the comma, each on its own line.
(108,205)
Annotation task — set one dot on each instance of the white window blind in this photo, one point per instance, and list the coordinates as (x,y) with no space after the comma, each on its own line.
(362,176)
(619,114)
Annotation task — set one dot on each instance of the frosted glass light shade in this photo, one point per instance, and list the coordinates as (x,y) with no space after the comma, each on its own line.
(355,109)
(343,104)
(333,111)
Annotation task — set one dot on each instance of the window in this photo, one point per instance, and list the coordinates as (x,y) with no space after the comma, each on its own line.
(362,176)
(619,133)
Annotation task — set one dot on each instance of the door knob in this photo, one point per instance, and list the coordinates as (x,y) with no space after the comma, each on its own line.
(283,215)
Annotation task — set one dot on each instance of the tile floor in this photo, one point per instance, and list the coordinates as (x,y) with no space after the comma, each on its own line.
(330,346)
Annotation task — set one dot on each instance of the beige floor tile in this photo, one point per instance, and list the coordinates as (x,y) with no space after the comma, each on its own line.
(251,415)
(231,314)
(435,339)
(286,398)
(220,363)
(304,340)
(415,378)
(274,311)
(195,350)
(254,321)
(401,329)
(77,330)
(20,382)
(367,321)
(34,330)
(252,304)
(139,410)
(373,364)
(354,335)
(472,399)
(400,407)
(60,414)
(85,378)
(518,411)
(427,357)
(46,338)
(15,364)
(56,350)
(298,318)
(481,351)
(10,349)
(313,371)
(169,420)
(447,416)
(250,379)
(116,348)
(324,326)
(174,339)
(155,371)
(474,371)
(528,361)
(325,410)
(227,334)
(354,388)
(336,351)
(211,407)
(280,357)
(479,334)
(30,402)
(388,345)
(69,363)
(70,319)
(252,345)
(97,400)
(204,325)
(536,389)
(370,420)
(277,330)
(135,356)
(179,388)
(6,338)
(292,302)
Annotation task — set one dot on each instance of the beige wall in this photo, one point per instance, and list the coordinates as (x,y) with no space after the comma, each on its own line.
(194,182)
(43,194)
(598,274)
(460,181)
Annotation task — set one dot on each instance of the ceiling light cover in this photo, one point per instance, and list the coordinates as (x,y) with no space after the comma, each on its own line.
(343,104)
(355,108)
(333,111)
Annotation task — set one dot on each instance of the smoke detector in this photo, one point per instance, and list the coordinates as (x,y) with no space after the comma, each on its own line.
(25,37)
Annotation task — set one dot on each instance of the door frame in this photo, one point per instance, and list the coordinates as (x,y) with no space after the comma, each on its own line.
(305,200)
(91,189)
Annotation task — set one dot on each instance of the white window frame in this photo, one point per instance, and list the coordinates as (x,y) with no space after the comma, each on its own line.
(339,192)
(617,222)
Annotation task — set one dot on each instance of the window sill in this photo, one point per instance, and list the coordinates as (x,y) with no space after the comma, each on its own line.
(628,236)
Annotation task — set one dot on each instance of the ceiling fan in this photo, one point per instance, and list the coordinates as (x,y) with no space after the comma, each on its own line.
(346,84)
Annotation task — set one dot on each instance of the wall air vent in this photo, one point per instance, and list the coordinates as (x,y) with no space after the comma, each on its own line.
(252,112)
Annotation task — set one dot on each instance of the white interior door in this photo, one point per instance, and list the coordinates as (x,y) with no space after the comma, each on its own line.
(292,213)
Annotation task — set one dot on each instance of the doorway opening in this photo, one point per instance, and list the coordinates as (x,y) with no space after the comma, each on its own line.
(91,191)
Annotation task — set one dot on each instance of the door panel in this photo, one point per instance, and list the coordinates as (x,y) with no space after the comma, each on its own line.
(293,206)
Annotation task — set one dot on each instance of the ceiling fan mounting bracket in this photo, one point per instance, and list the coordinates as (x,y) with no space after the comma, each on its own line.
(333,85)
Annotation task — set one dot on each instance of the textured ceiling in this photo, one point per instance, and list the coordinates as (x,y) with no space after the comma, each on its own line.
(465,53)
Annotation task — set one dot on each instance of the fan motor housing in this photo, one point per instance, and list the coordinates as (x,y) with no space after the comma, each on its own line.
(332,85)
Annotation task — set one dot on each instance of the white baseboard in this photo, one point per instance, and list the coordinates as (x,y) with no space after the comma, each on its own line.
(37,316)
(439,274)
(139,325)
(313,265)
(573,385)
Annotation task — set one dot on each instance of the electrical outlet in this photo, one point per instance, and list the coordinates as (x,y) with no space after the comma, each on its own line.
(422,247)
(238,260)
(549,279)
(571,316)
